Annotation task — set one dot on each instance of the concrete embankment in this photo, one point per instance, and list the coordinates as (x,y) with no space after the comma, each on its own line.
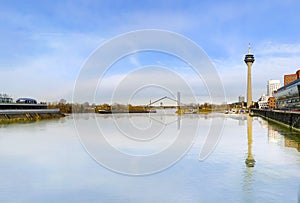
(20,115)
(287,118)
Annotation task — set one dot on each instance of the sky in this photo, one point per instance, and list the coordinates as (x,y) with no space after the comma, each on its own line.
(45,44)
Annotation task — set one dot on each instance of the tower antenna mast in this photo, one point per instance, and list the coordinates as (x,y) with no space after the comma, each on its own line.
(249,48)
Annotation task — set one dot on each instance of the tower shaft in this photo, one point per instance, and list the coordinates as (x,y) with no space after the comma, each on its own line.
(249,85)
(249,60)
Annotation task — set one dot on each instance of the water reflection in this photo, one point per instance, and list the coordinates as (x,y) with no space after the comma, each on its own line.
(291,143)
(250,160)
(282,136)
(248,179)
(58,169)
(273,135)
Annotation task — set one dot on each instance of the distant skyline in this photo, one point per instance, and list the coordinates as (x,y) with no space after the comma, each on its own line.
(45,43)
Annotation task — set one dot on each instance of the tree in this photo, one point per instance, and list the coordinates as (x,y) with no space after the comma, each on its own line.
(62,101)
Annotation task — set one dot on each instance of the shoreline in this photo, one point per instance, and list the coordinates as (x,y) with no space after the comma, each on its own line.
(28,115)
(287,119)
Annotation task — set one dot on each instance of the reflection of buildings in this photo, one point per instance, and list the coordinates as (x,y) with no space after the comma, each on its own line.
(263,123)
(241,122)
(273,135)
(291,143)
(249,160)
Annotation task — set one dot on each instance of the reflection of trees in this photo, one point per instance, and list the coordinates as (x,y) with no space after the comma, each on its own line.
(121,107)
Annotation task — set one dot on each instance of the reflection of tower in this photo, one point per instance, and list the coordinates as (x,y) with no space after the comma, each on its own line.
(250,160)
(249,60)
(178,122)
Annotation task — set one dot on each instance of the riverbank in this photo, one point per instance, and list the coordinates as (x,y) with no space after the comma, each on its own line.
(286,118)
(27,115)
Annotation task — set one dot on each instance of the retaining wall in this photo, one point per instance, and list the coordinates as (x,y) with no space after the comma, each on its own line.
(291,119)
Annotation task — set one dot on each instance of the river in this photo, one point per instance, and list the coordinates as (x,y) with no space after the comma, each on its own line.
(63,161)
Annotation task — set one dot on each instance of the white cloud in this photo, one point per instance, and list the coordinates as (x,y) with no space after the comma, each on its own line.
(50,75)
(271,48)
(150,83)
(134,60)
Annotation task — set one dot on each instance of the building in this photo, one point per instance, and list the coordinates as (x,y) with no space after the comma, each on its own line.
(263,102)
(271,103)
(241,99)
(272,86)
(289,78)
(287,97)
(4,98)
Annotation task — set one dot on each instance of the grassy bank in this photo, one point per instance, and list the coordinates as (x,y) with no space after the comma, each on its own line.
(28,117)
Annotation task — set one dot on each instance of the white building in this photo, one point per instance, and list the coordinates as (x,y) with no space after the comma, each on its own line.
(263,102)
(272,86)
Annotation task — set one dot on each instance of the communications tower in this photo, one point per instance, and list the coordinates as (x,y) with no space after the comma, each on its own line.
(249,60)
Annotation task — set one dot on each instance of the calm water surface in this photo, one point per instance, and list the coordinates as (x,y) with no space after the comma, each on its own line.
(45,162)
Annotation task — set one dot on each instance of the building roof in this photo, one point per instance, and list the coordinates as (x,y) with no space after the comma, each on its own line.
(288,85)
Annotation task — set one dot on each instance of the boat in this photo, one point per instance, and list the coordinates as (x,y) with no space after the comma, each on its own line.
(104,112)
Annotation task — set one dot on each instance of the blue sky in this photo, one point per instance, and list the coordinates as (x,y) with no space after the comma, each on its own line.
(45,43)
